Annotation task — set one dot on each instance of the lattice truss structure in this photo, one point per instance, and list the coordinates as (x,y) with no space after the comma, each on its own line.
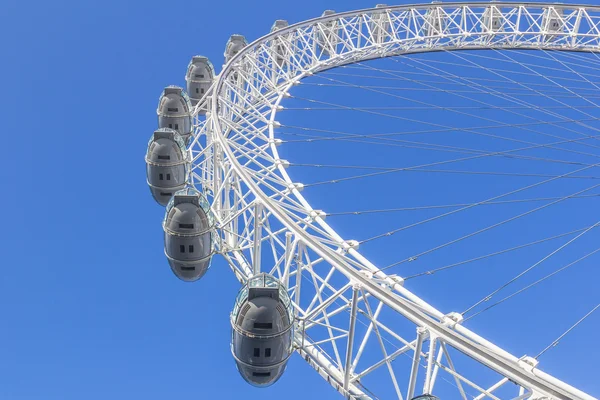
(352,320)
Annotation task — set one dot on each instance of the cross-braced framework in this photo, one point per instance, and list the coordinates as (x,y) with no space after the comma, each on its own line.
(353,320)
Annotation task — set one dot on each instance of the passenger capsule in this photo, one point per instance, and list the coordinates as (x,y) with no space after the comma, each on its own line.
(279,24)
(327,35)
(189,234)
(278,45)
(262,335)
(379,25)
(434,22)
(174,111)
(425,397)
(199,77)
(492,19)
(552,22)
(234,45)
(167,164)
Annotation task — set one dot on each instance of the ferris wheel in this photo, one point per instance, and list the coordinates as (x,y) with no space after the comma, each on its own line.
(217,163)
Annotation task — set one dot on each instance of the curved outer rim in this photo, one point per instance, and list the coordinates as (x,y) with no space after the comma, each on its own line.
(458,336)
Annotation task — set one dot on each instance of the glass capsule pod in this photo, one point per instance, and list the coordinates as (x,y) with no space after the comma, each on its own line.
(327,36)
(434,21)
(199,77)
(379,25)
(234,45)
(189,227)
(492,19)
(278,45)
(175,111)
(552,22)
(167,164)
(425,397)
(262,323)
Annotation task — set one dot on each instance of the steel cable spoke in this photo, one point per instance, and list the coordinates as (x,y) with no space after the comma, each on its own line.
(469,130)
(555,342)
(510,296)
(522,84)
(432,61)
(514,100)
(412,258)
(522,246)
(444,171)
(393,170)
(496,291)
(501,94)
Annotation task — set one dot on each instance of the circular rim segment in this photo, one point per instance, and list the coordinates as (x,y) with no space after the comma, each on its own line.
(363,35)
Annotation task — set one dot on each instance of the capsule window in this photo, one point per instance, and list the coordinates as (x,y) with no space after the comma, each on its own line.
(182,248)
(199,75)
(268,352)
(263,325)
(166,193)
(201,90)
(186,226)
(188,268)
(261,374)
(164,157)
(191,248)
(160,176)
(256,352)
(197,90)
(171,126)
(173,109)
(168,177)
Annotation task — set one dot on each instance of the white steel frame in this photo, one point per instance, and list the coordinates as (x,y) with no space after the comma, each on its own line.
(266,224)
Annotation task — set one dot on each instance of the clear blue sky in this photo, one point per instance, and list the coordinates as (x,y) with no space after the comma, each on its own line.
(88,306)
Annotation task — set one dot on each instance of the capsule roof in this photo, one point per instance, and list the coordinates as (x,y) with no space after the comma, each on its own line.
(252,289)
(238,38)
(279,24)
(171,98)
(234,45)
(425,397)
(197,63)
(237,41)
(327,12)
(168,133)
(193,196)
(263,280)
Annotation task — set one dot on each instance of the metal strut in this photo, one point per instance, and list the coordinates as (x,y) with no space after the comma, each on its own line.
(237,120)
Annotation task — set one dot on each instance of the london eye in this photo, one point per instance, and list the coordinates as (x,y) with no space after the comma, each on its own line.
(357,170)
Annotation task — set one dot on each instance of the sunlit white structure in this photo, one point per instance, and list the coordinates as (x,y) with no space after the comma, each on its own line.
(266,225)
